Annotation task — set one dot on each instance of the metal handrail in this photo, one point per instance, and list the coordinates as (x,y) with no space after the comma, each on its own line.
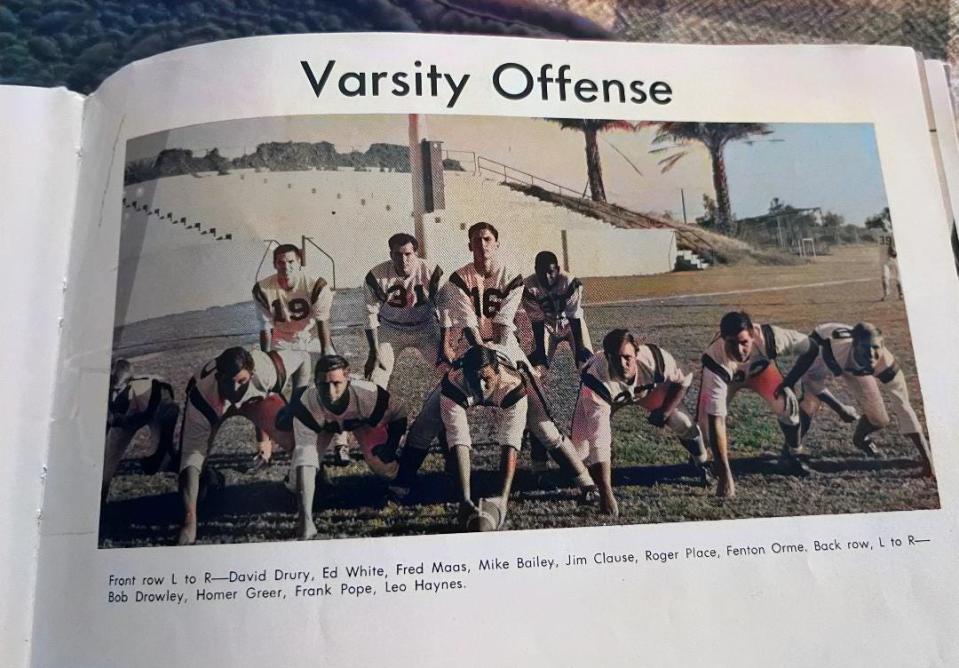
(533,179)
(317,247)
(269,245)
(472,154)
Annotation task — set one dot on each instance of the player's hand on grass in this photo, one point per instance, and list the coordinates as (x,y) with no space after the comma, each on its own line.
(265,450)
(258,464)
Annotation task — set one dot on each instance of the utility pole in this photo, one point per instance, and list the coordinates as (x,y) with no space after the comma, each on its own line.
(416,131)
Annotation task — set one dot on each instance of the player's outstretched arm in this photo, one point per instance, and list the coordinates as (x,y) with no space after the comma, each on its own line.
(581,352)
(808,351)
(718,442)
(444,349)
(538,355)
(373,357)
(266,340)
(323,330)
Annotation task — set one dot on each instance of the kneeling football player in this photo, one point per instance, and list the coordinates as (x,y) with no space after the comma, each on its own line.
(858,355)
(237,382)
(627,372)
(137,402)
(336,404)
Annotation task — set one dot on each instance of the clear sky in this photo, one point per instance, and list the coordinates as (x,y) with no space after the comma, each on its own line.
(833,166)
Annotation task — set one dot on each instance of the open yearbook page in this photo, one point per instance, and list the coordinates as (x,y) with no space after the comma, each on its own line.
(421,350)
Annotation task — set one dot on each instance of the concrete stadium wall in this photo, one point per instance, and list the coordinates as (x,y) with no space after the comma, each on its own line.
(166,268)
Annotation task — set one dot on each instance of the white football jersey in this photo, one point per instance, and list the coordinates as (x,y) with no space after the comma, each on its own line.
(369,405)
(269,376)
(555,305)
(477,301)
(139,395)
(456,398)
(291,313)
(402,302)
(887,249)
(836,354)
(769,342)
(654,366)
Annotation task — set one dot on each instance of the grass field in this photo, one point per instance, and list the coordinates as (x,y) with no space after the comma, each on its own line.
(679,311)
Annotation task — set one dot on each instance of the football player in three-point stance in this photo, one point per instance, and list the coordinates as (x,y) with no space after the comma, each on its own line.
(553,301)
(294,308)
(627,372)
(236,382)
(137,402)
(859,356)
(743,356)
(401,297)
(336,404)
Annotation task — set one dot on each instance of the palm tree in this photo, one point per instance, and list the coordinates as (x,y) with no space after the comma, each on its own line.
(714,136)
(591,128)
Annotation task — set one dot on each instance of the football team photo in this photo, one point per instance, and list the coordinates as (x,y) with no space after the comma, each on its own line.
(392,325)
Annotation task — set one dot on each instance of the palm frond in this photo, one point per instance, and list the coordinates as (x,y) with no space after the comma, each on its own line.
(668,163)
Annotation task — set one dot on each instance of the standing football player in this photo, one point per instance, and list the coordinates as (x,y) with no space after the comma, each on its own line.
(236,382)
(294,308)
(858,355)
(627,372)
(337,404)
(553,301)
(743,355)
(889,261)
(481,298)
(401,312)
(137,402)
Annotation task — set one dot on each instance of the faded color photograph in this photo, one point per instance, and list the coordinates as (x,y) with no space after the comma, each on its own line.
(390,325)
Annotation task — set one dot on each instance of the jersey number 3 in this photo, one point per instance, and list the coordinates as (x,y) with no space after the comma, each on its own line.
(400,297)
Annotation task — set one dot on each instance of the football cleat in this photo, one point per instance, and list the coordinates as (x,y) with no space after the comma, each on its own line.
(703,471)
(589,496)
(798,465)
(867,445)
